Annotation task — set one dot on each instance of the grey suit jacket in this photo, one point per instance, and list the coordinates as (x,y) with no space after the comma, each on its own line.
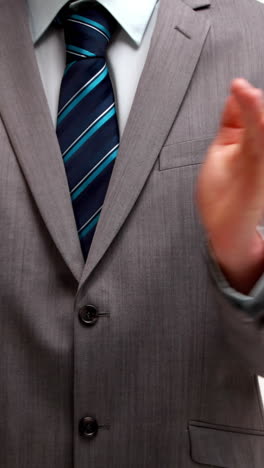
(167,366)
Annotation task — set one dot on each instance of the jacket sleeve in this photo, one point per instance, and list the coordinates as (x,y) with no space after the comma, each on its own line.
(242,316)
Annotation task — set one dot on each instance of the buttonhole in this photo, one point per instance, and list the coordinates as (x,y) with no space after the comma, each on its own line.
(104,426)
(182,32)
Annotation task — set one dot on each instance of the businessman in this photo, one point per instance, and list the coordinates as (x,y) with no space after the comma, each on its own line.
(131,195)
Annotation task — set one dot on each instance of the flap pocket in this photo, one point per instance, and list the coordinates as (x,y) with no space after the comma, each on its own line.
(226,447)
(184,153)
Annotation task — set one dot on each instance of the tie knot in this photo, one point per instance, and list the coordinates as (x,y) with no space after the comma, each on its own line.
(87,33)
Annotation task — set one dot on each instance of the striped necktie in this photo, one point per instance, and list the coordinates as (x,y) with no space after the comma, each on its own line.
(87,127)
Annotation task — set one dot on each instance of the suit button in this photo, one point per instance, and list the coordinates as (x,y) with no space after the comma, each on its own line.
(88,315)
(88,427)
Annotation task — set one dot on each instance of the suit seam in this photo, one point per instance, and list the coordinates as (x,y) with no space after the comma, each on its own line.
(189,141)
(222,428)
(180,167)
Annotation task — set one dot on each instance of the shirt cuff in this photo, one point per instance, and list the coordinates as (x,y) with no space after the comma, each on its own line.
(252,302)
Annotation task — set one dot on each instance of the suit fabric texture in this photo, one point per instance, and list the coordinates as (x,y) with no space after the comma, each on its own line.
(169,368)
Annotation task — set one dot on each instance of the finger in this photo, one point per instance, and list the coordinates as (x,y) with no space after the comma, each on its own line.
(250,101)
(231,124)
(231,116)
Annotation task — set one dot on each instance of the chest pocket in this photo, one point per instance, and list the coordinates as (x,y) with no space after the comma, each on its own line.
(184,153)
(226,447)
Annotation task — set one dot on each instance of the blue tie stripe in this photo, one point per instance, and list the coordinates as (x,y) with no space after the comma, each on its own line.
(93,176)
(86,125)
(78,76)
(70,135)
(92,197)
(88,135)
(82,95)
(93,152)
(92,23)
(69,66)
(79,50)
(90,226)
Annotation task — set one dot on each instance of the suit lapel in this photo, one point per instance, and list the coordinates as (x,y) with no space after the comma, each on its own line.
(175,49)
(25,113)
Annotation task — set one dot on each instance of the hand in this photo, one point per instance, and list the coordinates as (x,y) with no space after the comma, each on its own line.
(230,190)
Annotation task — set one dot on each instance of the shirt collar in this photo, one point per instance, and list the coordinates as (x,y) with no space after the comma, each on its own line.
(133,16)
